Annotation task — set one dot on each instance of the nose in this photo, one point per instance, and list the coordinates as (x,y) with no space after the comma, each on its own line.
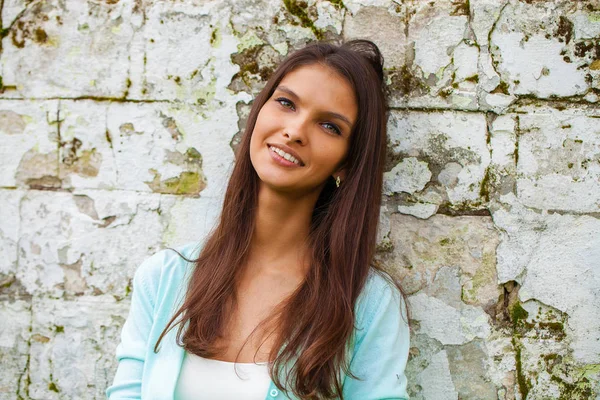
(296,130)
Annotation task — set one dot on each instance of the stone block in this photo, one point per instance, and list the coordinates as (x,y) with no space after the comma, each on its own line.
(436,29)
(422,350)
(10,201)
(440,68)
(73,346)
(543,251)
(544,362)
(463,248)
(87,158)
(484,14)
(571,245)
(388,33)
(454,146)
(86,242)
(534,52)
(436,381)
(180,228)
(248,15)
(492,95)
(10,10)
(410,175)
(330,16)
(149,147)
(176,59)
(503,138)
(501,177)
(586,23)
(29,144)
(354,6)
(68,48)
(447,324)
(175,62)
(14,347)
(469,368)
(558,164)
(501,365)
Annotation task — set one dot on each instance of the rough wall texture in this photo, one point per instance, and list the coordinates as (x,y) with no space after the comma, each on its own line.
(118,121)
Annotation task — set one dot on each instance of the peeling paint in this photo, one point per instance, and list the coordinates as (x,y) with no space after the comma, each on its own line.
(12,123)
(189,183)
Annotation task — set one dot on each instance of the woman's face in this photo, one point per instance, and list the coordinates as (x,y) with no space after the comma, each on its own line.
(310,117)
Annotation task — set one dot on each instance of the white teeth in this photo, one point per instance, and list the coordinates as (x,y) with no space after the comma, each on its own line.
(285,155)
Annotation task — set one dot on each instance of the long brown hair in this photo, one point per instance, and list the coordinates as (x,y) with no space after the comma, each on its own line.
(316,322)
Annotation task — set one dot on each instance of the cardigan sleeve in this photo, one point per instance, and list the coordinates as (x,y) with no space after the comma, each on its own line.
(381,350)
(131,351)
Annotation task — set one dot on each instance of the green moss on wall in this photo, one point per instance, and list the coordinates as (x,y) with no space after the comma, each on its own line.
(484,189)
(518,314)
(187,183)
(461,7)
(52,387)
(299,9)
(523,383)
(502,88)
(338,4)
(581,389)
(215,38)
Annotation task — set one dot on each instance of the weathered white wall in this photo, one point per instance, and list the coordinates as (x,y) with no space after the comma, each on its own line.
(118,121)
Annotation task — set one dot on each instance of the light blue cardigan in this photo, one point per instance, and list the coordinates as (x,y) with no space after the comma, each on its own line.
(380,351)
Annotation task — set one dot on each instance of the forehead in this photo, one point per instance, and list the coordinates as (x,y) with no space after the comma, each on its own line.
(322,87)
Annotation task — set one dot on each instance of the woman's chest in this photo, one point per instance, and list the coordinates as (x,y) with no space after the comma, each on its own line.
(244,330)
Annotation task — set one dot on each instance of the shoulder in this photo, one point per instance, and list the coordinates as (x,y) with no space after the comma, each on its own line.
(382,342)
(164,267)
(378,287)
(379,297)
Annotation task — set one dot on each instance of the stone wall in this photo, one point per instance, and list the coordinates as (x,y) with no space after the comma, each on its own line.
(118,121)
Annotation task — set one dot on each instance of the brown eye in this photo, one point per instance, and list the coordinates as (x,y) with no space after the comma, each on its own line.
(333,128)
(285,102)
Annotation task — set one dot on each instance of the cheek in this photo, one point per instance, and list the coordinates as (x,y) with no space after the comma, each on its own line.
(329,154)
(259,127)
(263,123)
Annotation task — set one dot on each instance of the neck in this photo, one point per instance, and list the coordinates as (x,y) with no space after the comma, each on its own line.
(280,239)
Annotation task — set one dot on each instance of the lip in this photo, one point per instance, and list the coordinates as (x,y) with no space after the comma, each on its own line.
(287,150)
(282,161)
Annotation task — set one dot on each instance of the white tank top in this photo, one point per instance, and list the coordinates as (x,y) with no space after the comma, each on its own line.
(202,378)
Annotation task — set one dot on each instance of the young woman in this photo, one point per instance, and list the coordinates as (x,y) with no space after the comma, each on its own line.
(281,300)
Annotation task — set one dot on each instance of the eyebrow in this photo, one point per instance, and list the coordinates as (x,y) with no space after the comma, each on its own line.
(328,113)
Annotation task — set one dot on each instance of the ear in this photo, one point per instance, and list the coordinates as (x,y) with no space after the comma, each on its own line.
(341,172)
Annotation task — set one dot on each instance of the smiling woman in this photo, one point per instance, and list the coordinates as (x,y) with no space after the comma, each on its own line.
(307,131)
(284,285)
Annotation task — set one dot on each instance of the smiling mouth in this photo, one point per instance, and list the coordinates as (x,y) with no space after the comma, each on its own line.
(285,156)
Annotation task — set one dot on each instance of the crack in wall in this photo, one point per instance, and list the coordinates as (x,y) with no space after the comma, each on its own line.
(25,379)
(5,31)
(522,100)
(434,109)
(516,153)
(59,142)
(564,103)
(1,32)
(489,38)
(136,8)
(94,98)
(484,191)
(109,139)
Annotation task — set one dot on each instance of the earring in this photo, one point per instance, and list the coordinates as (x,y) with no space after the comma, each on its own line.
(337,181)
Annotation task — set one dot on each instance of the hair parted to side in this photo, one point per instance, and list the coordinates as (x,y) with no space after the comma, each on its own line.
(315,323)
